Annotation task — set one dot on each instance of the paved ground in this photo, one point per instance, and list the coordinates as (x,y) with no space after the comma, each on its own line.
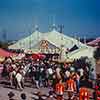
(4,89)
(98,68)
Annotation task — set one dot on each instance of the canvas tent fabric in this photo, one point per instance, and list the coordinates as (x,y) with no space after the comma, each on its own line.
(73,48)
(27,42)
(54,37)
(59,39)
(38,47)
(82,52)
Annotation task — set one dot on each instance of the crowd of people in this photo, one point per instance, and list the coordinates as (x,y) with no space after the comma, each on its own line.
(58,77)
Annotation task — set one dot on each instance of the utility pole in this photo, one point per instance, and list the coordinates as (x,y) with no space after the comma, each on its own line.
(84,39)
(61,27)
(4,35)
(36,28)
(75,36)
(53,27)
(29,39)
(53,20)
(78,40)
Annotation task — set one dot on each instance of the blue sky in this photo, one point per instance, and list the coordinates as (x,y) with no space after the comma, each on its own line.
(80,17)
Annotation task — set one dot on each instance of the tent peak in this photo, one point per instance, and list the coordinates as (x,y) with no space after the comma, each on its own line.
(54,31)
(36,28)
(54,28)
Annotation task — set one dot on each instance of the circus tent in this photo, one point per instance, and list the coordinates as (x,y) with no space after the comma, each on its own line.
(54,39)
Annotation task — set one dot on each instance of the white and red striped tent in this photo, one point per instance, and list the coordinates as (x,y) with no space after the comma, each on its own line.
(4,53)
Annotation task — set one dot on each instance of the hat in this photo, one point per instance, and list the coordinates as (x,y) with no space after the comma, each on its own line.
(11,94)
(50,93)
(23,96)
